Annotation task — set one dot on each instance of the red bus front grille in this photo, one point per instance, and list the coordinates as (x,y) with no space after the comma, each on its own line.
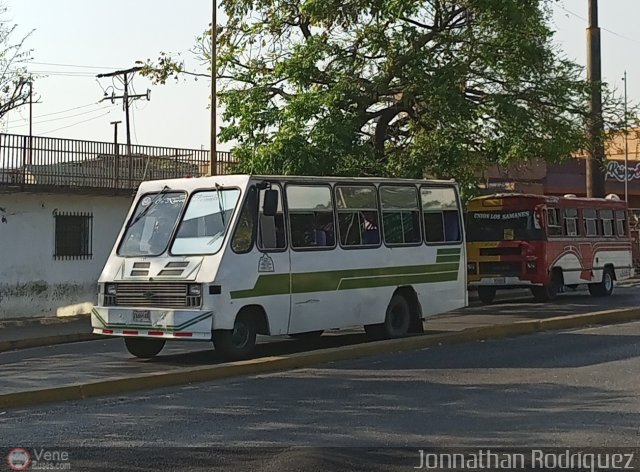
(500,268)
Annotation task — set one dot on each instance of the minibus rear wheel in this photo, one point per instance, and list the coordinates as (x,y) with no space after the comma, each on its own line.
(486,294)
(397,320)
(604,288)
(239,342)
(144,348)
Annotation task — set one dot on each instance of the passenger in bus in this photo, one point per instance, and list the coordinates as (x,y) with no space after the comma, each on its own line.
(451,226)
(371,231)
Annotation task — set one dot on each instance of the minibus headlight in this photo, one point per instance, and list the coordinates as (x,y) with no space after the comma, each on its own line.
(471,267)
(110,289)
(195,290)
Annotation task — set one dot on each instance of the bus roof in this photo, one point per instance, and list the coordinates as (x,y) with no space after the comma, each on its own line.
(233,180)
(513,200)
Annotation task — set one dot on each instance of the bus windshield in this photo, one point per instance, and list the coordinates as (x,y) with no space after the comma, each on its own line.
(205,222)
(152,223)
(509,225)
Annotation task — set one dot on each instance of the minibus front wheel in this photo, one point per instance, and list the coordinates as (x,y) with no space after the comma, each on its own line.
(239,342)
(144,348)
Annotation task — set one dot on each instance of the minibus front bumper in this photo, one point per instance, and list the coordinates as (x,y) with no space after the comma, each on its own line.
(152,322)
(503,282)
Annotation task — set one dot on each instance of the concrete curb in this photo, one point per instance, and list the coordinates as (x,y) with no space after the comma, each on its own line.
(306,359)
(47,341)
(47,320)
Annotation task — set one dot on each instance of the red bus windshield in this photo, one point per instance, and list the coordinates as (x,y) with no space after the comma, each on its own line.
(507,225)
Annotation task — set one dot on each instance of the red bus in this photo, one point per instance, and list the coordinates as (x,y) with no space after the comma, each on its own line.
(547,243)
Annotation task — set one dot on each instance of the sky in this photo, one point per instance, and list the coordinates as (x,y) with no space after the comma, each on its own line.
(74,40)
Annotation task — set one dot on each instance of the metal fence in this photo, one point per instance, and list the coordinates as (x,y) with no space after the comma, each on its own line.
(36,161)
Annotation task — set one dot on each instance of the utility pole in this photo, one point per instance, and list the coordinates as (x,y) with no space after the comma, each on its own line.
(595,158)
(126,97)
(213,158)
(30,120)
(116,151)
(626,143)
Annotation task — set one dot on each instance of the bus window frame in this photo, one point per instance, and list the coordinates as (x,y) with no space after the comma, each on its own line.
(254,230)
(284,215)
(577,220)
(378,209)
(625,223)
(226,239)
(420,240)
(167,248)
(288,223)
(612,220)
(458,208)
(560,220)
(584,222)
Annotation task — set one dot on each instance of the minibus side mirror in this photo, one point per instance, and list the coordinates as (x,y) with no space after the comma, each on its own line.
(270,206)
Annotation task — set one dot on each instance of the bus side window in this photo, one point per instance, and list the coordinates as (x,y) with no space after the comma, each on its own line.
(441,215)
(606,219)
(571,221)
(358,219)
(554,227)
(590,222)
(242,241)
(621,223)
(400,215)
(310,216)
(271,230)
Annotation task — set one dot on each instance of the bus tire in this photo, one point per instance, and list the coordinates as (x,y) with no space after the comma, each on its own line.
(548,293)
(604,288)
(397,320)
(486,294)
(239,342)
(144,348)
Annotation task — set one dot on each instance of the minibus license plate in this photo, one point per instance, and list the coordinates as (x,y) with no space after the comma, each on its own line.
(142,316)
(499,280)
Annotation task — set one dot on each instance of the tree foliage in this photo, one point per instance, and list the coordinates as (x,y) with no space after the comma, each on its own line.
(14,78)
(442,88)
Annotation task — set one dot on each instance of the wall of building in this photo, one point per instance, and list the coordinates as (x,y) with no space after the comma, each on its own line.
(33,282)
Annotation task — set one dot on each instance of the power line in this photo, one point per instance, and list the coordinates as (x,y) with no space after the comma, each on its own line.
(69,65)
(74,124)
(62,73)
(68,109)
(604,29)
(63,117)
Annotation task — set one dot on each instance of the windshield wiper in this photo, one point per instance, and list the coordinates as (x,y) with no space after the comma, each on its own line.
(141,215)
(221,206)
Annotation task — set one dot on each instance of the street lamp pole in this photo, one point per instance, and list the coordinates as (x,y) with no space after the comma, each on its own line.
(626,143)
(213,158)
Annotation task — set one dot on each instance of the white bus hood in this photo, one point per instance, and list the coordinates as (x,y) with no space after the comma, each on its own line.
(156,268)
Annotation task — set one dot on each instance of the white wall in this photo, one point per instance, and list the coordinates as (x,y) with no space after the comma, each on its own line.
(32,282)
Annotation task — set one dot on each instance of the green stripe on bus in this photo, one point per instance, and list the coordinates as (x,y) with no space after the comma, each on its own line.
(452,258)
(451,251)
(278,284)
(398,280)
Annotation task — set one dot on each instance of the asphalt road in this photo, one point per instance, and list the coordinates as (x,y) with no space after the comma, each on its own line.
(107,358)
(571,389)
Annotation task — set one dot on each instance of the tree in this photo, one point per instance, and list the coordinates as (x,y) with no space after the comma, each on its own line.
(14,78)
(409,88)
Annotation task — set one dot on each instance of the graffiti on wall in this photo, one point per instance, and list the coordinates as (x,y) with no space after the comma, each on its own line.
(615,170)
